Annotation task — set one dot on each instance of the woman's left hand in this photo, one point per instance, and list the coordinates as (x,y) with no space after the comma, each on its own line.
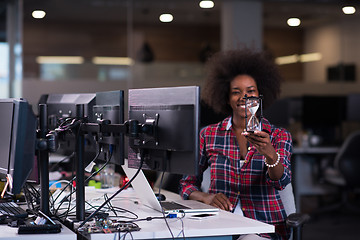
(261,141)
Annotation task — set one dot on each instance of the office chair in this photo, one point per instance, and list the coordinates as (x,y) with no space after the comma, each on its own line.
(294,221)
(345,174)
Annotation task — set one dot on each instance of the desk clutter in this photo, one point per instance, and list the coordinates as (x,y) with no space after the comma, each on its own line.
(82,187)
(15,216)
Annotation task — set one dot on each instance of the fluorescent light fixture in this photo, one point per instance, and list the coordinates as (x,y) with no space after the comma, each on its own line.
(293,22)
(308,57)
(166,17)
(38,14)
(59,60)
(349,10)
(206,4)
(112,61)
(287,59)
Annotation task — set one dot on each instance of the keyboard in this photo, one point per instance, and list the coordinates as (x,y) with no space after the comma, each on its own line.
(172,206)
(11,209)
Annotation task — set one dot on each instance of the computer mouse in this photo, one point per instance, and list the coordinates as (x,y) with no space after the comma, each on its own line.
(160,197)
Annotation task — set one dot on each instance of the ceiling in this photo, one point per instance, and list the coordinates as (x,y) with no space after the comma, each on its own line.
(275,13)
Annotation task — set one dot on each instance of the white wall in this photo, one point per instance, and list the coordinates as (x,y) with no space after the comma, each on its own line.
(337,42)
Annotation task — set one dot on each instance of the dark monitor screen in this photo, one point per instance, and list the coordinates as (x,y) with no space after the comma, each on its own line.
(7,109)
(285,111)
(327,111)
(323,115)
(62,106)
(110,106)
(353,103)
(175,111)
(18,135)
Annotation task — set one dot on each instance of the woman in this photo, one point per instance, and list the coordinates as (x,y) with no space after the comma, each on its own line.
(247,170)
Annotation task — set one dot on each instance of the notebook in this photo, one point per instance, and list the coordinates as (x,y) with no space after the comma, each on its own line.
(148,198)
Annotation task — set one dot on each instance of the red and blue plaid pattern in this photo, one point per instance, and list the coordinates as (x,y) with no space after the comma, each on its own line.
(249,184)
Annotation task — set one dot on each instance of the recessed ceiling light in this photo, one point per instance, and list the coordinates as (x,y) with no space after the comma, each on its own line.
(349,10)
(206,4)
(38,14)
(293,22)
(166,17)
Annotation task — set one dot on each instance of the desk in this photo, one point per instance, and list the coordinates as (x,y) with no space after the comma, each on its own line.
(7,232)
(306,163)
(315,150)
(221,226)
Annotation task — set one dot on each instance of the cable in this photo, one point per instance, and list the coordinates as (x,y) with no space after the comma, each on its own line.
(116,193)
(86,180)
(101,168)
(62,160)
(182,226)
(163,212)
(31,195)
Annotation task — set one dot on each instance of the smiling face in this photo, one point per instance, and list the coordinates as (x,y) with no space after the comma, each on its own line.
(239,86)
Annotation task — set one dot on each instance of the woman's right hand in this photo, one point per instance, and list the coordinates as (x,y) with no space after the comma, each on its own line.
(218,200)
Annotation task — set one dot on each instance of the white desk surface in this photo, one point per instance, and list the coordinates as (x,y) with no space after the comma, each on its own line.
(7,232)
(222,224)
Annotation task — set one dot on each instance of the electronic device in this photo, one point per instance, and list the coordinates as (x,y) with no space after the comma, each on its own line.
(323,116)
(11,209)
(148,198)
(110,107)
(285,111)
(63,106)
(352,103)
(169,137)
(17,142)
(39,229)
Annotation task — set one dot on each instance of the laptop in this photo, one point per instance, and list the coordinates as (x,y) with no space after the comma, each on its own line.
(147,196)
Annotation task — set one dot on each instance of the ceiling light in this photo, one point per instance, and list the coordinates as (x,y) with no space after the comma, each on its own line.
(206,4)
(166,17)
(310,57)
(112,61)
(287,59)
(293,22)
(349,10)
(38,14)
(59,60)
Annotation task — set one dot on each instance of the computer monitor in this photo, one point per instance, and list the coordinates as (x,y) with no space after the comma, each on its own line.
(323,116)
(285,111)
(62,106)
(110,106)
(175,113)
(17,141)
(352,111)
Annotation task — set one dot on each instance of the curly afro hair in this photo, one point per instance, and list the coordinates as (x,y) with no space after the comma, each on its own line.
(224,66)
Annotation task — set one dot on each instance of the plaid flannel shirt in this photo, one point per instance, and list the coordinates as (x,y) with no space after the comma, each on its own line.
(249,184)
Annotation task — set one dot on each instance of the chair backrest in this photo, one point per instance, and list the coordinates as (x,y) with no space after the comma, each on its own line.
(288,199)
(286,195)
(348,160)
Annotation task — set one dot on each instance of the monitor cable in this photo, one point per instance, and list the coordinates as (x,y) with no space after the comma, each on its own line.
(115,194)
